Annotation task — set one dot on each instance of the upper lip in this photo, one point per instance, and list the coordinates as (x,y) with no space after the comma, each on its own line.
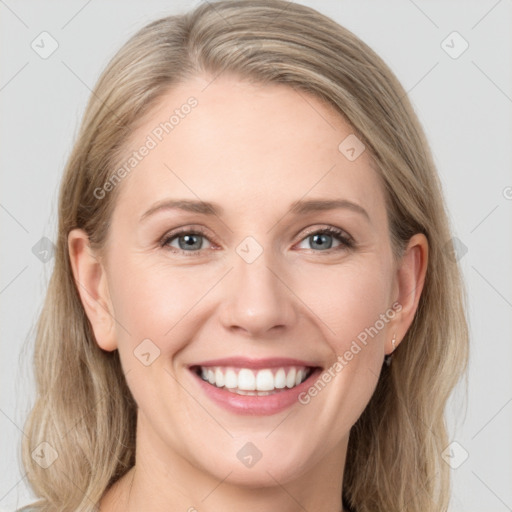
(244,362)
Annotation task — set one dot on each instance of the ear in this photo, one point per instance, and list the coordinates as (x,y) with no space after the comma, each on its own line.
(410,280)
(91,283)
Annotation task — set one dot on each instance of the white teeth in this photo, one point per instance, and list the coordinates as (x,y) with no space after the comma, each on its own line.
(280,379)
(264,380)
(246,380)
(290,378)
(254,382)
(230,379)
(219,378)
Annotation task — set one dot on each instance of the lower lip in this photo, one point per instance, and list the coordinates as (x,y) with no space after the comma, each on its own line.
(252,404)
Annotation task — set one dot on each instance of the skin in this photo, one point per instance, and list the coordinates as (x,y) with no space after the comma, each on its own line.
(253,150)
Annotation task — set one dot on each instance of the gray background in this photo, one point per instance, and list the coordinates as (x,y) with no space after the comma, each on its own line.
(464,104)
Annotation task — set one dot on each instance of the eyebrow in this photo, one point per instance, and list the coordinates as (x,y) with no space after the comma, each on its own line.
(300,207)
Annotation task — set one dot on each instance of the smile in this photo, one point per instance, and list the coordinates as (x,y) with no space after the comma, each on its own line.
(254,386)
(246,381)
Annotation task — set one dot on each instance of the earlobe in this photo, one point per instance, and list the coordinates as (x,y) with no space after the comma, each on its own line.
(410,279)
(91,282)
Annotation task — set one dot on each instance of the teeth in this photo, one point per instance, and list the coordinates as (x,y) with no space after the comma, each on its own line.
(245,381)
(231,380)
(280,379)
(219,377)
(290,378)
(264,381)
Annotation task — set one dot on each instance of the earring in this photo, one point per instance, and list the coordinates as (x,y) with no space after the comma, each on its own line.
(389,357)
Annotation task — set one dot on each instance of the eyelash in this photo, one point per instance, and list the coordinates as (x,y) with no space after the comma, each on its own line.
(347,242)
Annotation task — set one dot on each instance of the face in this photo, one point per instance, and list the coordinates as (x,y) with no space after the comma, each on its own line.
(264,292)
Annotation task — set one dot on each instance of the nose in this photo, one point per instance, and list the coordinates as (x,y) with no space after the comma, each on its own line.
(257,299)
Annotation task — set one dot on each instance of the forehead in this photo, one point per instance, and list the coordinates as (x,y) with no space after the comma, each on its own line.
(246,145)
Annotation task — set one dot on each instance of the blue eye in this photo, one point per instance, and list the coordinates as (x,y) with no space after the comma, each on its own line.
(321,237)
(190,241)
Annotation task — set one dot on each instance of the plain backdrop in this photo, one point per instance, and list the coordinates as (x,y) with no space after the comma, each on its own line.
(463,99)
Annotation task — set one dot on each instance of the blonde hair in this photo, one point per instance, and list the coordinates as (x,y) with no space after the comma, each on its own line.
(84,408)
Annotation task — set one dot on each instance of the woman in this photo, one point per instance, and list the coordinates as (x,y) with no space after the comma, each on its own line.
(250,224)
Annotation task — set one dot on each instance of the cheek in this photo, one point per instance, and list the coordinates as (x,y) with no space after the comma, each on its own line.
(348,301)
(149,301)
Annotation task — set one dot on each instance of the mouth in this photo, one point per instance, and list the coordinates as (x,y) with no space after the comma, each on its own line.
(251,382)
(257,387)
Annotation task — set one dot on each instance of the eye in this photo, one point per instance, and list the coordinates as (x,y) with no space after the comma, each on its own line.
(322,239)
(190,241)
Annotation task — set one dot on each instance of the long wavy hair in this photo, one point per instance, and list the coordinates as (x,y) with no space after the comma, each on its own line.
(84,409)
